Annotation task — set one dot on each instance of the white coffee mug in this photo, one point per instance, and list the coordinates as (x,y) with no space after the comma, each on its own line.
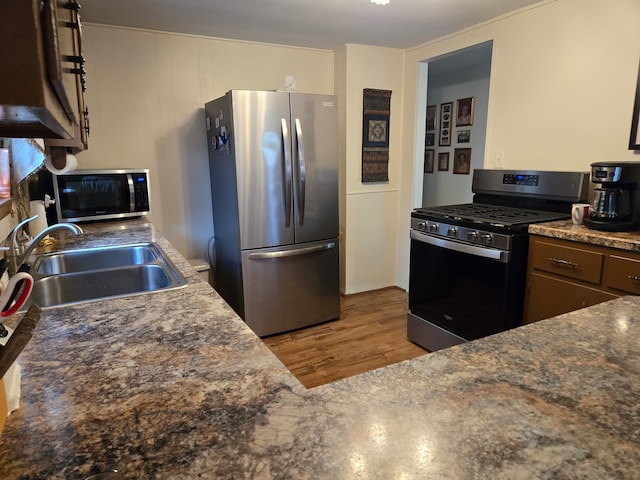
(579,211)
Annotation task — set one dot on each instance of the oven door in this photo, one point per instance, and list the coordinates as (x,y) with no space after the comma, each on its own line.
(460,292)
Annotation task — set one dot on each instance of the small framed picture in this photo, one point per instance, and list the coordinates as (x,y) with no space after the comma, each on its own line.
(446,110)
(443,161)
(430,140)
(464,115)
(464,136)
(429,154)
(431,118)
(462,161)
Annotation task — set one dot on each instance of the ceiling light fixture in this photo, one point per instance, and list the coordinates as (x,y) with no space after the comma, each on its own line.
(380,2)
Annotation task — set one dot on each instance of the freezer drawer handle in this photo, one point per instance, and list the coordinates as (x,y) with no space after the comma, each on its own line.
(292,253)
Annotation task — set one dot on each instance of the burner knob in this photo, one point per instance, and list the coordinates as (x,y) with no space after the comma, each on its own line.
(422,226)
(486,239)
(452,232)
(472,236)
(433,227)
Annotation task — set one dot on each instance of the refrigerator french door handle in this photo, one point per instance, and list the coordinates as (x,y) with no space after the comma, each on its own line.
(302,178)
(288,181)
(292,253)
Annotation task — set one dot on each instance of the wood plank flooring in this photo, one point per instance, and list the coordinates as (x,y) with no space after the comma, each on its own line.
(371,333)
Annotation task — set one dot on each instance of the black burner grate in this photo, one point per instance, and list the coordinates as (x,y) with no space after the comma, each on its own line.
(492,214)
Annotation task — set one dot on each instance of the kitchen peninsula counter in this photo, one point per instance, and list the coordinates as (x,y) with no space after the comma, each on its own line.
(174,385)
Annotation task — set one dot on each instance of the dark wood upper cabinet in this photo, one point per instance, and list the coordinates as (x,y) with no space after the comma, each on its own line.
(43,79)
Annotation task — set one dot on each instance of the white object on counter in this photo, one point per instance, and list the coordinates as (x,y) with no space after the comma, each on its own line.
(5,174)
(579,211)
(202,268)
(11,380)
(36,207)
(12,387)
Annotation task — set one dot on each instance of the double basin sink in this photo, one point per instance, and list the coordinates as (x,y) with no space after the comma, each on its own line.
(89,274)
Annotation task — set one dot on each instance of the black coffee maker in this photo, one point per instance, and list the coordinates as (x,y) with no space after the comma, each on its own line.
(614,203)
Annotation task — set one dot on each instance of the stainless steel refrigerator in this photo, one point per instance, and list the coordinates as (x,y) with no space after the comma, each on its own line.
(273,160)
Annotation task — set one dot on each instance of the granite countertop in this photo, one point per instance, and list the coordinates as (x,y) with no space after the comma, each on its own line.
(566,230)
(174,385)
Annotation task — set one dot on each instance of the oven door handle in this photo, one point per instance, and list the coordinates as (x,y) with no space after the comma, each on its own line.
(492,253)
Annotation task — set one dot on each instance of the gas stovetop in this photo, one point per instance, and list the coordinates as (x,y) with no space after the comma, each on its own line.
(490,215)
(505,203)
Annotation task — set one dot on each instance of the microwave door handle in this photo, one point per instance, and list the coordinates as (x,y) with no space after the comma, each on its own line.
(132,193)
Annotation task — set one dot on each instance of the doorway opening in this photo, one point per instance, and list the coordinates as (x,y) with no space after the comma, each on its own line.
(455,88)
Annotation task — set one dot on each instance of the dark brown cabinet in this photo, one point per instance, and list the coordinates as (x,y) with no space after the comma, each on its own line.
(42,81)
(563,276)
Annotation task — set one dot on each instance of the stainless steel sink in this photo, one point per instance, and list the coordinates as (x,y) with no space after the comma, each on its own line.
(83,275)
(96,258)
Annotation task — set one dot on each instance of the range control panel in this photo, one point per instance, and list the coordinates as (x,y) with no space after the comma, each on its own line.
(462,234)
(520,179)
(560,186)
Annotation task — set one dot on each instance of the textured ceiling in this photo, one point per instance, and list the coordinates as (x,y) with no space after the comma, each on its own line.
(325,24)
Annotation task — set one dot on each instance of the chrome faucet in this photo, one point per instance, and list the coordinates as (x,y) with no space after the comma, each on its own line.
(18,252)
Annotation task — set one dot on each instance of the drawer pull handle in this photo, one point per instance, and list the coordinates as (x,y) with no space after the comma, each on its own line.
(634,278)
(562,262)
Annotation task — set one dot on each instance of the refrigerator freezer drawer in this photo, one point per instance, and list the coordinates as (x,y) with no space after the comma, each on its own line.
(291,287)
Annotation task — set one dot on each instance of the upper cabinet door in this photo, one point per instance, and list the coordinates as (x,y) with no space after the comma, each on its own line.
(65,64)
(42,71)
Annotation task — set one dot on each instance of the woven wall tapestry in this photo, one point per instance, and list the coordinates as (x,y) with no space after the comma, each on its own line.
(376,108)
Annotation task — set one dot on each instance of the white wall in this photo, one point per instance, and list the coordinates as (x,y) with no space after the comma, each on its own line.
(563,79)
(146,91)
(370,219)
(443,187)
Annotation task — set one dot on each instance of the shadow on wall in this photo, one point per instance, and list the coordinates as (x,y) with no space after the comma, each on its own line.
(185,191)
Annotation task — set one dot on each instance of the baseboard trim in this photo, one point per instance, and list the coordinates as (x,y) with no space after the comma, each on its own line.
(393,287)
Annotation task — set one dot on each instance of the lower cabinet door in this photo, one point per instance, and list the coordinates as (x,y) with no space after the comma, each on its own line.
(291,287)
(548,297)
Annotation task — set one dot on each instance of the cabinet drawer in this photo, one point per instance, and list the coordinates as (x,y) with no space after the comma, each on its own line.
(550,296)
(622,273)
(568,262)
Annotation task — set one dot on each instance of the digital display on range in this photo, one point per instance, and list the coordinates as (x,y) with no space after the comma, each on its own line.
(520,179)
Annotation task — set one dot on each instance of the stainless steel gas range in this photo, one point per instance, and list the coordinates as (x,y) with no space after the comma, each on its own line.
(468,261)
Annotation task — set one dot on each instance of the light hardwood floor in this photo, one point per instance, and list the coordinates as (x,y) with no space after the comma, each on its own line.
(371,333)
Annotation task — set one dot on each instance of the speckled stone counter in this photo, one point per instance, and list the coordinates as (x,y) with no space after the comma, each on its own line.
(174,386)
(566,230)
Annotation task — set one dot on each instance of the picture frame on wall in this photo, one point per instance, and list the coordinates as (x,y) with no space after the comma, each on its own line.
(430,140)
(462,161)
(443,161)
(429,155)
(464,112)
(446,118)
(634,138)
(464,136)
(431,118)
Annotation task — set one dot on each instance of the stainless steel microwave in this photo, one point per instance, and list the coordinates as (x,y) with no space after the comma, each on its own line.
(89,195)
